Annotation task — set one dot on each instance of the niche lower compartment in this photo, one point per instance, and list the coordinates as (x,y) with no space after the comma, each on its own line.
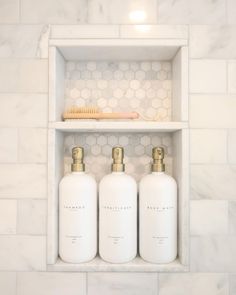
(137,146)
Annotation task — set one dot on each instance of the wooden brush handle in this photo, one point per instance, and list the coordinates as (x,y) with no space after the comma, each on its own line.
(131,115)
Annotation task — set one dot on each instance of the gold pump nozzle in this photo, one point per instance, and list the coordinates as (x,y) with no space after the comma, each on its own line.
(78,157)
(118,156)
(158,154)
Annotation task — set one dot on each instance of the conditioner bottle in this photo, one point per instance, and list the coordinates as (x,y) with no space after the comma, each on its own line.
(118,213)
(77,213)
(158,213)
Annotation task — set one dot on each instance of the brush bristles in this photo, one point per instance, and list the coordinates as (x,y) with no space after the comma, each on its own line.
(87,110)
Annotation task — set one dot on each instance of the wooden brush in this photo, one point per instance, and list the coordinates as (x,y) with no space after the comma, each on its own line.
(95,113)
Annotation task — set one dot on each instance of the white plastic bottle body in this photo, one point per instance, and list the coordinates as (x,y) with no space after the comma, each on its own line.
(158,218)
(117,218)
(77,218)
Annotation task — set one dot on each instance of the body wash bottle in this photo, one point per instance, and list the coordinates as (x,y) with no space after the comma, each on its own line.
(158,213)
(77,213)
(117,213)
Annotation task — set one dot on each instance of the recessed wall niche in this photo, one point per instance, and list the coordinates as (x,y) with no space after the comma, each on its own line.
(148,76)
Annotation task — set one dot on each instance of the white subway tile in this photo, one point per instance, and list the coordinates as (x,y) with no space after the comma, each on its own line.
(208,217)
(122,283)
(213,254)
(232,217)
(217,41)
(84,31)
(8,145)
(173,12)
(231,12)
(32,145)
(202,116)
(23,181)
(24,75)
(54,12)
(43,283)
(7,283)
(8,214)
(232,146)
(213,182)
(208,146)
(232,75)
(21,41)
(23,110)
(208,76)
(31,217)
(9,11)
(191,12)
(130,12)
(193,284)
(21,253)
(207,12)
(154,31)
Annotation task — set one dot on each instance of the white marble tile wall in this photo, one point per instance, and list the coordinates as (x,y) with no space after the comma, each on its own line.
(25,27)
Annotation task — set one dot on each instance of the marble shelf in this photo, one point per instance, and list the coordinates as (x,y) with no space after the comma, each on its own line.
(136,265)
(122,126)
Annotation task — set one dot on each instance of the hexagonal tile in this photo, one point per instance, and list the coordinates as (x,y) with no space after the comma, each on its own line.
(106,150)
(156,141)
(74,93)
(156,103)
(91,140)
(162,75)
(140,75)
(129,75)
(85,93)
(96,75)
(112,140)
(145,140)
(134,103)
(102,140)
(96,149)
(123,140)
(140,93)
(118,75)
(156,66)
(134,84)
(162,93)
(112,102)
(118,93)
(91,66)
(85,75)
(162,112)
(102,84)
(146,66)
(123,66)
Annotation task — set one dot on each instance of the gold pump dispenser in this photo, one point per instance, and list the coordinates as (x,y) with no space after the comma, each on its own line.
(78,157)
(158,154)
(117,156)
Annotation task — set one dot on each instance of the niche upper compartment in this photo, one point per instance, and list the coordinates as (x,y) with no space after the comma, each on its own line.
(119,75)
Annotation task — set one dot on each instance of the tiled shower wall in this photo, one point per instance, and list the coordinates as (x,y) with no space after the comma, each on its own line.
(24,31)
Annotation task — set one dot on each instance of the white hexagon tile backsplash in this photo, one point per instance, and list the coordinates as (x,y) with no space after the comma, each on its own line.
(137,148)
(144,87)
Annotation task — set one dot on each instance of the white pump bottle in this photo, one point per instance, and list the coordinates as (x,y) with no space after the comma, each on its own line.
(158,213)
(117,213)
(77,213)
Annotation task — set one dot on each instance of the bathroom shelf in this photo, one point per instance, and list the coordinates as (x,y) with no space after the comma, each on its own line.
(125,126)
(173,133)
(136,265)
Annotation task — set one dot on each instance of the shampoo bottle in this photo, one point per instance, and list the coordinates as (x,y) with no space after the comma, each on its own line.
(158,213)
(77,213)
(117,213)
